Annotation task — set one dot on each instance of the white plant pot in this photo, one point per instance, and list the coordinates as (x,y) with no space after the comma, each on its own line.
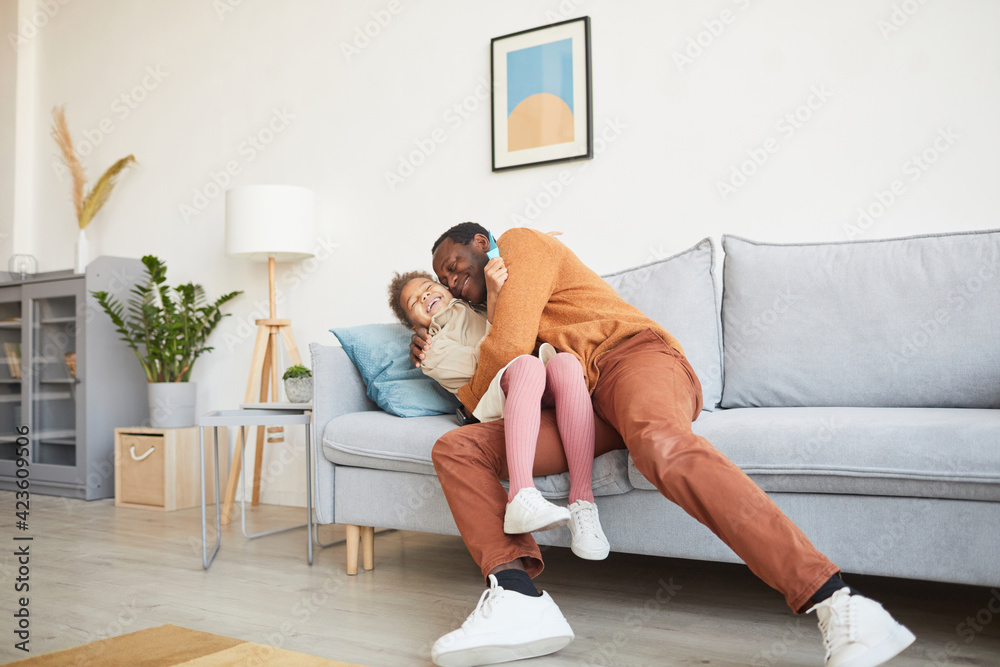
(299,390)
(82,253)
(172,404)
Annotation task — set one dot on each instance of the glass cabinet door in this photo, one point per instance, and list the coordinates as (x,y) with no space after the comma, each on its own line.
(53,379)
(11,327)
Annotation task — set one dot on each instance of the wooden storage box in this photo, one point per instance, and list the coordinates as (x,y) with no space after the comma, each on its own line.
(157,468)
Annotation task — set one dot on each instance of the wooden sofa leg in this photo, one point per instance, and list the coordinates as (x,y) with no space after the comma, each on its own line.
(368,547)
(353,538)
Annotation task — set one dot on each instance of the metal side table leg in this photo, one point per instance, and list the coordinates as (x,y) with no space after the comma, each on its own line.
(243,498)
(206,558)
(309,495)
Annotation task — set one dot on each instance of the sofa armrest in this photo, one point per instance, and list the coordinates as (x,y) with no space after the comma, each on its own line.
(337,390)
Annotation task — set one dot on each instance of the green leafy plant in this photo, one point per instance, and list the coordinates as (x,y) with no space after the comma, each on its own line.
(297,371)
(166,327)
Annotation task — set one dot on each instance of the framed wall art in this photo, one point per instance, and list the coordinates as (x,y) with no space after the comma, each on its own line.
(541,106)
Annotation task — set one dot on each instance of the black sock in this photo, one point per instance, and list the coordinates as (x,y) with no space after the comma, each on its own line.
(517,581)
(832,585)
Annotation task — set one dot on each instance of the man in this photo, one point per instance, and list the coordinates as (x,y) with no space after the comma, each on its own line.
(643,387)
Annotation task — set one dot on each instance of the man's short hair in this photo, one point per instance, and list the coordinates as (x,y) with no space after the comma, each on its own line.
(462,233)
(396,286)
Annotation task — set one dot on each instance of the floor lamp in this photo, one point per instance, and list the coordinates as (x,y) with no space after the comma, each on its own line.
(272,223)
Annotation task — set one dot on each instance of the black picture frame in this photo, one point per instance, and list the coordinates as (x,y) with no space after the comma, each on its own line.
(541,86)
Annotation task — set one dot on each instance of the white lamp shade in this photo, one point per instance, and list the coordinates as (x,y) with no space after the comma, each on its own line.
(270,221)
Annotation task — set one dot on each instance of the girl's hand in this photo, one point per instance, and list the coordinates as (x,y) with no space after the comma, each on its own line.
(496,275)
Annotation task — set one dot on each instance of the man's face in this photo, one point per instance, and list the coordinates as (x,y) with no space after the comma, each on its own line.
(422,299)
(461,268)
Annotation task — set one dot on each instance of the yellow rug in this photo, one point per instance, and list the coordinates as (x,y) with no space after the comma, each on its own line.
(173,646)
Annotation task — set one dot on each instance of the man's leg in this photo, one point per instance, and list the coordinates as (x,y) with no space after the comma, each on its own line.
(470,462)
(648,391)
(512,620)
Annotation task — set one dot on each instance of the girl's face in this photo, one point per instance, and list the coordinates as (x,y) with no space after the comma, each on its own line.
(421,299)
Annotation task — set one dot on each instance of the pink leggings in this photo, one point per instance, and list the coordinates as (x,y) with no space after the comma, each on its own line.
(529,385)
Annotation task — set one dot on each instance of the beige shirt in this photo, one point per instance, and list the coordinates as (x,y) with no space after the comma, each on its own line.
(456,334)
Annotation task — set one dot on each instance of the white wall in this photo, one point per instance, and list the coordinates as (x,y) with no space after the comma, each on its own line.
(8,111)
(674,131)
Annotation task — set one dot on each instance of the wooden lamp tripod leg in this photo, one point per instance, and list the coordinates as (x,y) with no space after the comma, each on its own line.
(266,379)
(257,379)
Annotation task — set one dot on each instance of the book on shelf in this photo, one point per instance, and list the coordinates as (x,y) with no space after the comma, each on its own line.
(13,354)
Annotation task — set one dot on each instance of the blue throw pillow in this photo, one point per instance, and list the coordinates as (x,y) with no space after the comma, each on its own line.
(381,353)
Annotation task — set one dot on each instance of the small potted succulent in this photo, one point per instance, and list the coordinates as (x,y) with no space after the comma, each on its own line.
(298,384)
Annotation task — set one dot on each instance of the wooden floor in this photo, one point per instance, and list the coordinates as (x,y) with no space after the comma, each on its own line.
(98,571)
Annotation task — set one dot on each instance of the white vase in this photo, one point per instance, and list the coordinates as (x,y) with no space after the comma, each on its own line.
(172,404)
(82,253)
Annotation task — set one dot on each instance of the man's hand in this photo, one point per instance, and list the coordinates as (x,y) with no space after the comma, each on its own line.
(419,341)
(496,276)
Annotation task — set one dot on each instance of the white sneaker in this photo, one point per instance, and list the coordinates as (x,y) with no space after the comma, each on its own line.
(529,512)
(504,626)
(588,537)
(858,632)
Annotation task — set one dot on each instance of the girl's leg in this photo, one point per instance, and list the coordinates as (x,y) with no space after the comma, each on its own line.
(523,384)
(575,417)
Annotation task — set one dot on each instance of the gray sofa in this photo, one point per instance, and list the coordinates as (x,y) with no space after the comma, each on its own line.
(861,392)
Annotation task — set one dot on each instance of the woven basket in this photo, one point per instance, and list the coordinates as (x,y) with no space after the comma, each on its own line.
(71,363)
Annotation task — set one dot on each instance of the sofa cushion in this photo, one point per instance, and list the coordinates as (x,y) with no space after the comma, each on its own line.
(375,439)
(907,322)
(381,353)
(908,452)
(679,294)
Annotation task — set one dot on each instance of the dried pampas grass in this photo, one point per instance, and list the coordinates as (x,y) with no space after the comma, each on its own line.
(87,205)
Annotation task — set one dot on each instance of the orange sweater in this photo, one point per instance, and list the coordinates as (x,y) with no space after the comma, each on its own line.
(550,296)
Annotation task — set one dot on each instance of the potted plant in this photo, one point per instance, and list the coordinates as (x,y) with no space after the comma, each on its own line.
(298,384)
(168,329)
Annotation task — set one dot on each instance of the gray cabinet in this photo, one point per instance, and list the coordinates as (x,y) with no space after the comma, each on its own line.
(65,375)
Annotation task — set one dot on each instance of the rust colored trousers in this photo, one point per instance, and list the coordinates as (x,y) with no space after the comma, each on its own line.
(646,398)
